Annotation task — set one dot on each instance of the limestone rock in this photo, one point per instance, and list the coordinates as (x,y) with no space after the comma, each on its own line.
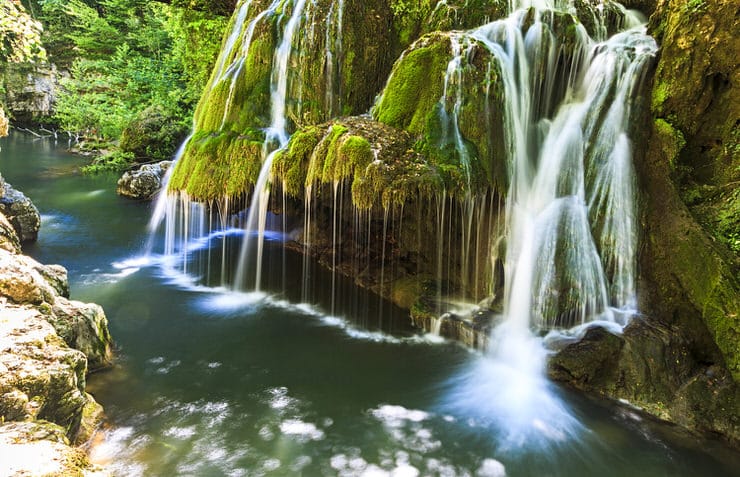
(42,377)
(41,448)
(8,238)
(84,327)
(31,91)
(20,211)
(144,182)
(21,282)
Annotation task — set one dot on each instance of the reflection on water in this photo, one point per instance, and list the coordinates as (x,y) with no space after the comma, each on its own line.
(213,383)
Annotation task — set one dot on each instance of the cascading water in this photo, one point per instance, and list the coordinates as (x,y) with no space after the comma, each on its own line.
(276,139)
(569,229)
(570,210)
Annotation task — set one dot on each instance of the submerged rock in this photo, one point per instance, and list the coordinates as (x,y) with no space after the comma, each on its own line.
(145,182)
(20,211)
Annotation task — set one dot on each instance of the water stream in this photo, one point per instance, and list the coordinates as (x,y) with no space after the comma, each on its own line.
(213,383)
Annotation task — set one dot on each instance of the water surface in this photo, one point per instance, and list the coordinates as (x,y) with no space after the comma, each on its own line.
(209,383)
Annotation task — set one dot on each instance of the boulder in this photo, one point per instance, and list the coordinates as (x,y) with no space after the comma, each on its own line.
(144,182)
(21,283)
(20,211)
(84,327)
(652,366)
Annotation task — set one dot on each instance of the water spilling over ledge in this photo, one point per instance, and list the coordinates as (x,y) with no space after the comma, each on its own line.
(540,204)
(495,169)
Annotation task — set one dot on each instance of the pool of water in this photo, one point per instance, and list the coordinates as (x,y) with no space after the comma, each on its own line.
(208,383)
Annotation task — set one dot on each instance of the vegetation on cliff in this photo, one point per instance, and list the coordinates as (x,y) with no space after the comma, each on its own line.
(133,66)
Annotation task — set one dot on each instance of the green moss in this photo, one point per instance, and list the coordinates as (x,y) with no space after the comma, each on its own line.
(415,85)
(218,165)
(672,139)
(244,101)
(464,14)
(661,91)
(291,164)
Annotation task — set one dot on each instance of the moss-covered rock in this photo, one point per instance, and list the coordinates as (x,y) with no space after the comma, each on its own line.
(653,366)
(696,94)
(153,135)
(415,85)
(692,160)
(377,161)
(332,71)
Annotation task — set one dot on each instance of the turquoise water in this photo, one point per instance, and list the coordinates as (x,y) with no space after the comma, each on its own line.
(209,384)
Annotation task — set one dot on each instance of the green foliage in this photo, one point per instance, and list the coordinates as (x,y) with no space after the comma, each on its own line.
(20,35)
(103,96)
(153,134)
(196,39)
(127,57)
(115,161)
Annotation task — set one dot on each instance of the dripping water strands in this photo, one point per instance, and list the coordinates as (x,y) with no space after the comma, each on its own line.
(570,210)
(275,140)
(234,71)
(333,58)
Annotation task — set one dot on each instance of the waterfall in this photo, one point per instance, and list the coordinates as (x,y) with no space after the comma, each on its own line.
(333,54)
(574,183)
(562,247)
(277,135)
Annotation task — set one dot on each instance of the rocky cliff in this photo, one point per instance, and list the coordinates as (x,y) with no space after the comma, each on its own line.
(48,345)
(28,83)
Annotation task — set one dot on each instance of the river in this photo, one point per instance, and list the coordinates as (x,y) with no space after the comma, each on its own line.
(208,383)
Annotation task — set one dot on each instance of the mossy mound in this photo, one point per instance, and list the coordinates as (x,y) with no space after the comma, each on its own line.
(415,100)
(447,90)
(378,161)
(218,165)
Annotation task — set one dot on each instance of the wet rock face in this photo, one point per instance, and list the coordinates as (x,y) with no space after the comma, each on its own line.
(652,365)
(144,182)
(689,175)
(20,211)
